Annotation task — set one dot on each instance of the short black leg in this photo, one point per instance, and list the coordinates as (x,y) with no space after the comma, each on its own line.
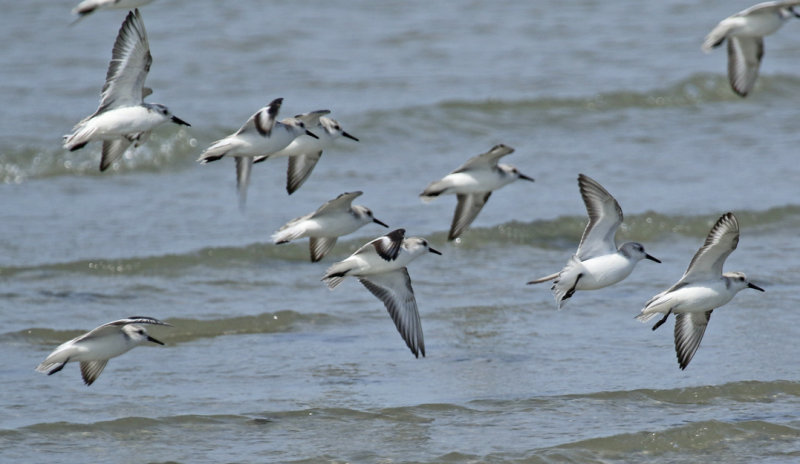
(662,320)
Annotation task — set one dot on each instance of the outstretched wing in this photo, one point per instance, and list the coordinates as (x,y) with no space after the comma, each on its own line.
(263,120)
(320,246)
(113,326)
(489,158)
(299,168)
(467,209)
(744,60)
(112,150)
(341,203)
(90,370)
(605,216)
(722,239)
(311,119)
(394,290)
(130,63)
(689,331)
(244,166)
(386,246)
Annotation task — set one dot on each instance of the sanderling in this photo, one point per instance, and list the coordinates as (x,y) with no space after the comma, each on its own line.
(598,262)
(335,218)
(702,289)
(87,7)
(745,32)
(260,135)
(380,265)
(472,184)
(93,349)
(305,151)
(122,117)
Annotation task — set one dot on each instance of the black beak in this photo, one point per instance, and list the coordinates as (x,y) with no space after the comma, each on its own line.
(379,222)
(180,121)
(754,287)
(436,252)
(345,134)
(524,177)
(652,258)
(151,339)
(311,134)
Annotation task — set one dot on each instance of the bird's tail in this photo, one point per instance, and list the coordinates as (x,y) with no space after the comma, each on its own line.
(216,151)
(287,233)
(544,279)
(79,138)
(567,280)
(433,190)
(644,317)
(336,274)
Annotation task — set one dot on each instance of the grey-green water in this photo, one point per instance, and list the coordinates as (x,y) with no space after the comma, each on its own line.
(265,364)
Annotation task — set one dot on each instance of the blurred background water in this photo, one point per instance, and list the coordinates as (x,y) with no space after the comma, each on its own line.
(265,364)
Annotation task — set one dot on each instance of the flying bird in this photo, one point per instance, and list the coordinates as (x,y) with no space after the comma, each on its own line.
(261,135)
(380,265)
(745,33)
(304,151)
(598,262)
(701,290)
(324,226)
(473,184)
(86,7)
(122,117)
(93,349)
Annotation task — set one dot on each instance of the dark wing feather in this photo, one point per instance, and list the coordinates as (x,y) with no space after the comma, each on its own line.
(299,169)
(130,63)
(722,239)
(488,159)
(387,246)
(744,60)
(467,209)
(320,246)
(263,120)
(689,331)
(90,370)
(394,289)
(112,150)
(605,216)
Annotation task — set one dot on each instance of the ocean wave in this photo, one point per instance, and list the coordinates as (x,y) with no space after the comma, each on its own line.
(161,151)
(743,391)
(179,148)
(705,441)
(560,233)
(476,114)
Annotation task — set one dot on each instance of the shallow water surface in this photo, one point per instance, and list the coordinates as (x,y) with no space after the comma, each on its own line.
(265,364)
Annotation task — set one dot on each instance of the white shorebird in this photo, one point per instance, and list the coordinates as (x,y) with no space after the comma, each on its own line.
(305,151)
(122,117)
(260,135)
(473,184)
(701,290)
(87,7)
(380,265)
(335,218)
(598,262)
(93,349)
(745,32)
